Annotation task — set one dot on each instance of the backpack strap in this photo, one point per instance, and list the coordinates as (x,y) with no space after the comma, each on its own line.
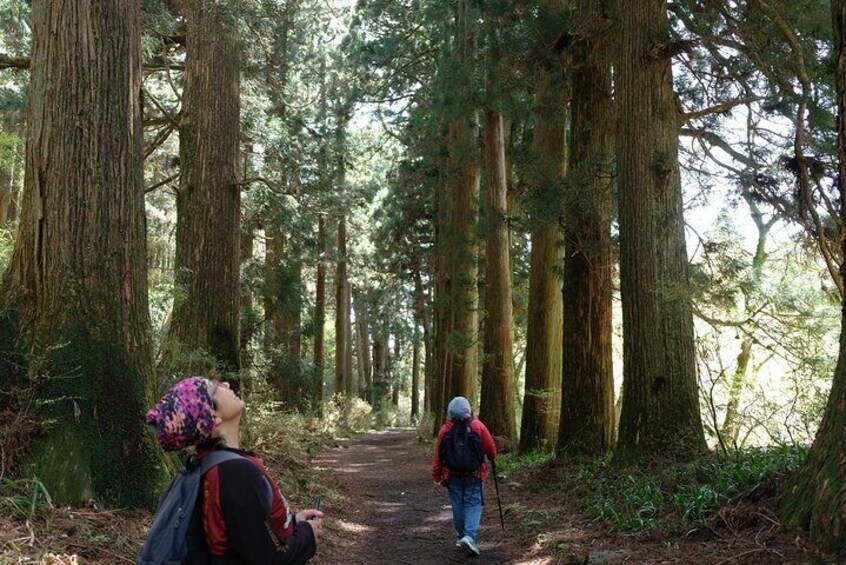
(219,456)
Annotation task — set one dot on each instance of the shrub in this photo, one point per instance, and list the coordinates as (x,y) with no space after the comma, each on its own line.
(679,496)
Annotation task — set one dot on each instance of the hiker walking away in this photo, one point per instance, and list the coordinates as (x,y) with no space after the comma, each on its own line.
(459,464)
(245,519)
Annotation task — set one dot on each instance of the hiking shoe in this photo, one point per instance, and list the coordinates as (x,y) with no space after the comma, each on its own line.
(469,546)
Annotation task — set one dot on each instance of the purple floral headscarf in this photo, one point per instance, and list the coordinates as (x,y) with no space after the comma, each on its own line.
(184,416)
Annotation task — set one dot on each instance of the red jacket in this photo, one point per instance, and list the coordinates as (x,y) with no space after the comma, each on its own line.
(441,473)
(239,528)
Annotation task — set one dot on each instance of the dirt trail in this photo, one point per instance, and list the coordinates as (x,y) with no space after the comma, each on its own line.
(394,514)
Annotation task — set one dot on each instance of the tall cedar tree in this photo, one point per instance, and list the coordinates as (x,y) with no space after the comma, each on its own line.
(208,202)
(816,495)
(320,312)
(459,234)
(420,319)
(342,371)
(542,398)
(274,300)
(660,413)
(75,294)
(587,386)
(365,369)
(498,395)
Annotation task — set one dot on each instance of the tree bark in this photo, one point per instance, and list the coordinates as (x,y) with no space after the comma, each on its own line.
(415,373)
(365,362)
(395,378)
(381,377)
(320,312)
(816,495)
(273,308)
(498,395)
(341,309)
(731,424)
(542,398)
(248,317)
(587,387)
(75,294)
(441,289)
(420,319)
(462,352)
(206,308)
(352,388)
(660,411)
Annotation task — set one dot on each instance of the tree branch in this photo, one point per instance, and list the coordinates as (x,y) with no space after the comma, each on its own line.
(719,108)
(7,62)
(161,183)
(272,186)
(153,65)
(718,141)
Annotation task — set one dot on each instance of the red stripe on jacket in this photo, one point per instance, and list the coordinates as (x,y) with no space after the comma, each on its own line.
(441,473)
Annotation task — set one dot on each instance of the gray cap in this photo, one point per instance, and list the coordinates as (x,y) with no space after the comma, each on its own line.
(459,407)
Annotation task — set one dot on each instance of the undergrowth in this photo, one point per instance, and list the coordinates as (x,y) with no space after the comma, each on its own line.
(679,498)
(32,527)
(509,463)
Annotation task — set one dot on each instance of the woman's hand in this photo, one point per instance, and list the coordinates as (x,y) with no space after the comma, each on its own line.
(316,523)
(310,514)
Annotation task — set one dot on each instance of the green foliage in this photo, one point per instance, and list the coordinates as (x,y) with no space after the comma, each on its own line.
(6,248)
(426,427)
(22,498)
(511,462)
(528,518)
(346,415)
(679,497)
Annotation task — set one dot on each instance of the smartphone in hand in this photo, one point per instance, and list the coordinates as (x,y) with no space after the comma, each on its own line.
(316,504)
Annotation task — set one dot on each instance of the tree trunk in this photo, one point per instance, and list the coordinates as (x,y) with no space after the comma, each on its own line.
(419,301)
(349,379)
(273,308)
(6,188)
(248,317)
(341,337)
(441,290)
(731,424)
(320,312)
(587,386)
(381,378)
(660,393)
(816,495)
(364,361)
(291,302)
(10,171)
(415,373)
(206,308)
(498,395)
(542,397)
(75,294)
(462,352)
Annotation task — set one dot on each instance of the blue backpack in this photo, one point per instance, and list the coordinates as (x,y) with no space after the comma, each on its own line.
(176,535)
(460,450)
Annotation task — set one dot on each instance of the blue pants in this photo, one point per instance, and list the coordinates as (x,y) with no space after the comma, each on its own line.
(465,495)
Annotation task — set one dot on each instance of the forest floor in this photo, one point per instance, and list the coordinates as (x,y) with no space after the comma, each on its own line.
(392,513)
(381,507)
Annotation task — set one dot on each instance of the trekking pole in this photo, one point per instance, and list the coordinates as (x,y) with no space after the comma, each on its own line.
(498,500)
